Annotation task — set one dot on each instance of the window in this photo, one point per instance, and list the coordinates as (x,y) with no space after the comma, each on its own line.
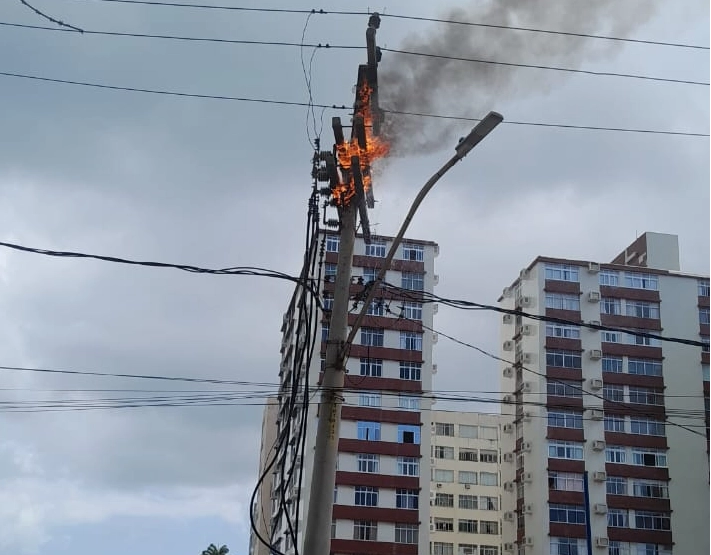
(469,549)
(613,392)
(703,287)
(703,316)
(563,359)
(615,454)
(324,332)
(618,548)
(444,429)
(488,527)
(618,518)
(569,514)
(649,457)
(444,524)
(469,432)
(365,530)
(563,301)
(410,371)
(368,463)
(642,309)
(646,396)
(641,281)
(408,434)
(609,278)
(639,337)
(333,529)
(369,274)
(442,452)
(487,432)
(444,500)
(562,388)
(407,498)
(565,481)
(442,548)
(488,478)
(611,337)
(487,550)
(406,533)
(612,365)
(652,549)
(565,419)
(562,272)
(412,251)
(329,271)
(408,466)
(409,402)
(705,372)
(376,247)
(327,303)
(468,502)
(467,477)
(488,503)
(369,399)
(332,243)
(487,456)
(616,485)
(366,496)
(412,311)
(646,426)
(650,488)
(373,337)
(644,367)
(467,526)
(565,450)
(410,340)
(614,423)
(649,520)
(369,431)
(559,330)
(376,308)
(371,367)
(568,546)
(469,455)
(413,281)
(610,305)
(442,475)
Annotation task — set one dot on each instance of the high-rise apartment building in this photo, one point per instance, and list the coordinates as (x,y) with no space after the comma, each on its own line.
(620,412)
(383,467)
(465,491)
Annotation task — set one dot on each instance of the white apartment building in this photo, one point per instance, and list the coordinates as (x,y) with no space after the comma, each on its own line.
(599,407)
(465,491)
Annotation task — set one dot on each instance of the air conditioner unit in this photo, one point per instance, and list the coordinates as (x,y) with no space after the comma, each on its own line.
(526,387)
(508,399)
(435,308)
(593,267)
(602,542)
(508,547)
(508,486)
(508,428)
(467,486)
(523,274)
(508,457)
(595,383)
(435,279)
(598,445)
(432,527)
(432,460)
(528,541)
(508,319)
(434,369)
(528,477)
(526,358)
(600,476)
(509,515)
(528,508)
(600,509)
(594,297)
(526,446)
(595,354)
(526,329)
(508,372)
(596,414)
(439,485)
(526,301)
(508,345)
(435,338)
(594,323)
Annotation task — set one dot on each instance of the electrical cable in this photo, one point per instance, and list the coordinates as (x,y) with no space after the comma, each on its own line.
(49,18)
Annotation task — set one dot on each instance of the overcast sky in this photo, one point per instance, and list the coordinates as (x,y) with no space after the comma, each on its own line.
(220,183)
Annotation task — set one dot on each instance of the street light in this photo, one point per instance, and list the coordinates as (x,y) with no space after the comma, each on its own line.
(483,128)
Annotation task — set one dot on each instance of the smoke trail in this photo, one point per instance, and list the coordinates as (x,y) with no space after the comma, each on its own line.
(438,86)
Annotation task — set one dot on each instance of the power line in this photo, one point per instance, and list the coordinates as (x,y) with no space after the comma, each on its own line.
(49,18)
(412,18)
(339,107)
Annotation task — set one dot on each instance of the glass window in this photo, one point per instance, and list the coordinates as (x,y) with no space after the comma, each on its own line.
(376,247)
(406,533)
(488,478)
(408,434)
(612,364)
(616,485)
(618,548)
(466,477)
(615,454)
(565,450)
(641,337)
(641,281)
(564,331)
(703,287)
(369,399)
(329,271)
(365,530)
(444,429)
(650,488)
(488,456)
(563,359)
(413,281)
(413,251)
(407,498)
(409,402)
(565,419)
(467,431)
(646,395)
(332,243)
(468,502)
(469,455)
(411,310)
(488,527)
(373,337)
(563,388)
(443,524)
(562,272)
(410,371)
(703,316)
(568,514)
(442,548)
(488,503)
(366,496)
(613,392)
(642,309)
(376,308)
(646,426)
(614,423)
(705,372)
(444,500)
(408,466)
(650,520)
(609,278)
(488,432)
(568,546)
(327,302)
(610,305)
(368,463)
(470,549)
(442,475)
(324,332)
(565,481)
(649,457)
(410,340)
(369,274)
(467,526)
(563,301)
(618,518)
(644,367)
(371,367)
(611,337)
(369,431)
(443,452)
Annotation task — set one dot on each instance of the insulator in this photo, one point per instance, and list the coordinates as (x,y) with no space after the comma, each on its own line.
(332,223)
(325,191)
(322,175)
(323,155)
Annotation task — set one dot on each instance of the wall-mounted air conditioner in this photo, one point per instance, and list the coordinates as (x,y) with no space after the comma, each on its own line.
(595,383)
(593,267)
(594,297)
(598,445)
(596,414)
(595,354)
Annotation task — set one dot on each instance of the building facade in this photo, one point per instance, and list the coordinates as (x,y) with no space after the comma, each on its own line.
(383,462)
(465,491)
(619,415)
